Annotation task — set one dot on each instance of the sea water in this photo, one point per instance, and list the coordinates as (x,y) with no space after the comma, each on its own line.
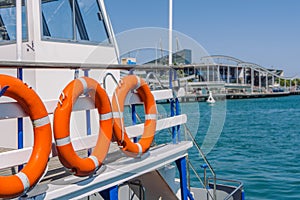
(255,141)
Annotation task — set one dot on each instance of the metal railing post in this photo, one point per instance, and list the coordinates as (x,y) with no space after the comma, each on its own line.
(204,166)
(88,116)
(133,114)
(20,122)
(206,162)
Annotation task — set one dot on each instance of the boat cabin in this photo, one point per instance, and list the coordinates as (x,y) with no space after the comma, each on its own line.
(56,30)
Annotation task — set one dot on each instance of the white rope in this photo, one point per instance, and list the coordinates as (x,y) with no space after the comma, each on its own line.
(120,82)
(120,114)
(63,97)
(138,85)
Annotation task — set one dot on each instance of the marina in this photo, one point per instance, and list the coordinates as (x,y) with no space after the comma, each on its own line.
(81,119)
(234,78)
(227,77)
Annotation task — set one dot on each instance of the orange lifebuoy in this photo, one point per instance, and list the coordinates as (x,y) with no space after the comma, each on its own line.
(127,84)
(20,183)
(68,157)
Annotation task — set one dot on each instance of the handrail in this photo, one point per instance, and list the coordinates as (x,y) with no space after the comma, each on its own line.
(199,178)
(205,160)
(234,191)
(240,186)
(157,79)
(112,76)
(56,65)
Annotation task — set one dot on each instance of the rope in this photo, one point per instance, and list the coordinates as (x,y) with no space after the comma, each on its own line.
(63,97)
(120,113)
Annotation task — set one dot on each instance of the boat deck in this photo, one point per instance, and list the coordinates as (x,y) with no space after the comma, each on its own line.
(117,169)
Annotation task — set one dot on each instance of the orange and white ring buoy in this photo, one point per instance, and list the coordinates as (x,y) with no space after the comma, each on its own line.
(68,157)
(128,83)
(20,183)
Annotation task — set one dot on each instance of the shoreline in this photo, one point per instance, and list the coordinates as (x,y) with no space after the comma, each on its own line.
(203,98)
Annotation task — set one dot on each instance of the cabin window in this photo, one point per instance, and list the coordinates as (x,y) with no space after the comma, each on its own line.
(73,20)
(8,21)
(57,19)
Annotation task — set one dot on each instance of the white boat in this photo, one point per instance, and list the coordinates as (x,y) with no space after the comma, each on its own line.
(210,98)
(49,43)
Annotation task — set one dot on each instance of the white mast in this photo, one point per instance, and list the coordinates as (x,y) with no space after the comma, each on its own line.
(170,30)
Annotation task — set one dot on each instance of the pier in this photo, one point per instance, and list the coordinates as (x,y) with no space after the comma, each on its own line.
(225,77)
(231,78)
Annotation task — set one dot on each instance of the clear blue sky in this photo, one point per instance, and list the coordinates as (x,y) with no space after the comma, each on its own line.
(266,32)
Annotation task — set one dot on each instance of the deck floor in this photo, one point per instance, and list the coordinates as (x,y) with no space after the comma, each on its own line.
(117,169)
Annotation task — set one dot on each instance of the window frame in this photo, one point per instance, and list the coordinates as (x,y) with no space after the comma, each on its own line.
(14,41)
(75,30)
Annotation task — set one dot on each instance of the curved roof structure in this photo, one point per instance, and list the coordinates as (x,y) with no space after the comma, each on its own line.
(223,57)
(216,60)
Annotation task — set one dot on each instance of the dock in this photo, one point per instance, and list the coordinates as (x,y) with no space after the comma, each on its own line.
(231,78)
(256,95)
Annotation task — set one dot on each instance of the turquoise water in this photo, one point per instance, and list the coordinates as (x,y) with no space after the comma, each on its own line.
(259,144)
(255,141)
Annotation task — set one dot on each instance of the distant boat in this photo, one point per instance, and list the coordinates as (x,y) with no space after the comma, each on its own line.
(210,98)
